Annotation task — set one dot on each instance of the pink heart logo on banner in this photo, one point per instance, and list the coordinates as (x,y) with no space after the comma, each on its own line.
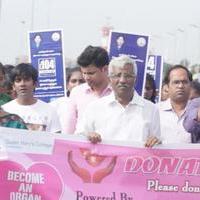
(92,159)
(39,181)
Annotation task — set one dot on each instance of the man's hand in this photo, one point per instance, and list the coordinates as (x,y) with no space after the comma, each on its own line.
(151,141)
(94,137)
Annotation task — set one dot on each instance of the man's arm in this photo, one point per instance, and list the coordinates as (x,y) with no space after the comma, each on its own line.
(155,132)
(191,124)
(54,126)
(70,118)
(86,125)
(192,115)
(192,119)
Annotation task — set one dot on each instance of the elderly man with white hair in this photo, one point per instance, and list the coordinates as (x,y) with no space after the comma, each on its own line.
(123,115)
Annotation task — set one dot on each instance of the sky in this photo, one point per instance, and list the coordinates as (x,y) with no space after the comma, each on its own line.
(174,25)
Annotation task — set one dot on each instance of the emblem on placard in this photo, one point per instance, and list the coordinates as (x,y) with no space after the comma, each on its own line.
(94,161)
(141,42)
(55,36)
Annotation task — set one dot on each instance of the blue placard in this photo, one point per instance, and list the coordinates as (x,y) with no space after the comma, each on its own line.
(46,55)
(155,68)
(136,47)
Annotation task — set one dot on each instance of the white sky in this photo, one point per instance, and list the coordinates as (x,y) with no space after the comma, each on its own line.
(81,21)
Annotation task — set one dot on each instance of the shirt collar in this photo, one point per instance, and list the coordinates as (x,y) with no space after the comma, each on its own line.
(89,90)
(137,100)
(167,106)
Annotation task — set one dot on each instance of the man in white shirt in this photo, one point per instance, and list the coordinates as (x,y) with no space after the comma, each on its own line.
(37,114)
(172,111)
(123,115)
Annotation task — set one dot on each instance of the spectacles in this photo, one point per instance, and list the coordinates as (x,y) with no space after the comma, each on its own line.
(125,76)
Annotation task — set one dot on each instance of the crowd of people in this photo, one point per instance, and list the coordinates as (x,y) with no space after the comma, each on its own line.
(102,104)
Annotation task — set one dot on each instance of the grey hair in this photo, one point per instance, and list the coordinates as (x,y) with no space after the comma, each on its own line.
(121,61)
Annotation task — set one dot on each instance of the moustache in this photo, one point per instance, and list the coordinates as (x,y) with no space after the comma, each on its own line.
(122,85)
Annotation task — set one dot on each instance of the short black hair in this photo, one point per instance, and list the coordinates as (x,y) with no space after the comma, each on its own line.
(24,70)
(92,55)
(8,68)
(7,82)
(2,69)
(166,79)
(196,86)
(150,79)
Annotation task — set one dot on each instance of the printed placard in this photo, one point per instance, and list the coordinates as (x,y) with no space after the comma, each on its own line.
(136,47)
(46,55)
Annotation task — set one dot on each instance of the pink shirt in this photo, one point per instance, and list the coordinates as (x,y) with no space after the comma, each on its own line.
(80,97)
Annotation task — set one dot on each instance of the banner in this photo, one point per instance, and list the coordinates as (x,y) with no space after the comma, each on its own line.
(46,55)
(42,166)
(136,47)
(155,69)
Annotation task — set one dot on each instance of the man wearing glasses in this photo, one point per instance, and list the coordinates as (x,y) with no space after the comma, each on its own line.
(123,115)
(172,111)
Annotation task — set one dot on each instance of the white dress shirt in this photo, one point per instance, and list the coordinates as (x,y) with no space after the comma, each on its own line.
(172,130)
(135,122)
